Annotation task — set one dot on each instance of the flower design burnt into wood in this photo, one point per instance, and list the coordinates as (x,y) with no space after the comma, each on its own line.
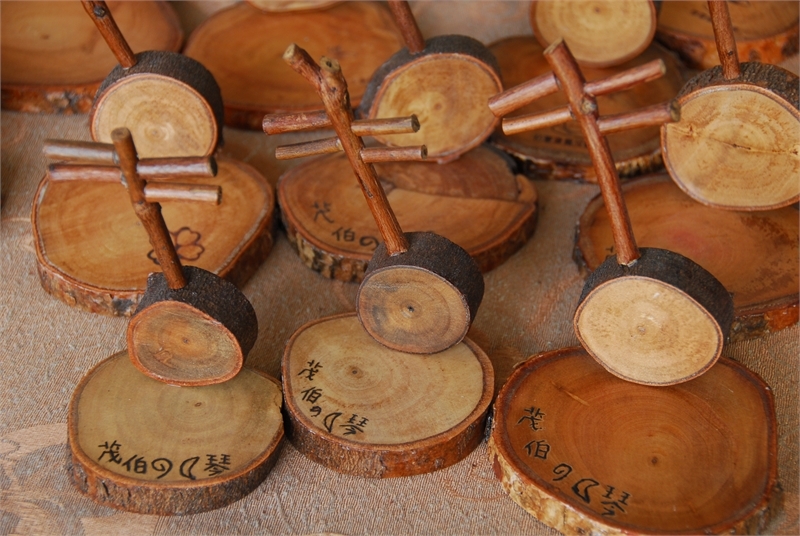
(187,244)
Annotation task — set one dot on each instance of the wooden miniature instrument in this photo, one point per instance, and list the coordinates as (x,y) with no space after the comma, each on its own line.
(736,145)
(191,327)
(766,31)
(170,101)
(361,34)
(559,152)
(587,453)
(421,291)
(444,81)
(599,33)
(649,316)
(753,254)
(53,64)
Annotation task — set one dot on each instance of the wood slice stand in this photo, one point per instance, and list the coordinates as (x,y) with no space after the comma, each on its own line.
(53,59)
(361,35)
(765,31)
(753,254)
(360,408)
(96,256)
(475,201)
(587,453)
(599,34)
(147,447)
(559,152)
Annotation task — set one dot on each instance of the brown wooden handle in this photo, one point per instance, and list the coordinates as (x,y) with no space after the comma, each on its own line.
(148,213)
(89,152)
(523,94)
(525,123)
(100,14)
(332,89)
(723,35)
(628,78)
(294,122)
(308,148)
(408,26)
(373,155)
(584,107)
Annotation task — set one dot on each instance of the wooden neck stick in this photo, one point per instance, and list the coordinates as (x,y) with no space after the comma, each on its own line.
(100,14)
(723,35)
(408,26)
(332,89)
(584,108)
(148,213)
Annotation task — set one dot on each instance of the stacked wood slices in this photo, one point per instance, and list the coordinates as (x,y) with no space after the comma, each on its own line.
(422,180)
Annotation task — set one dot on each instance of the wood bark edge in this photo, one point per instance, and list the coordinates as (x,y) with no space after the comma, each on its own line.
(388,461)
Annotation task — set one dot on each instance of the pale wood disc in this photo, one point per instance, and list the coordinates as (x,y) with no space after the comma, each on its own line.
(54,58)
(147,447)
(172,340)
(447,87)
(598,33)
(93,253)
(360,408)
(588,453)
(167,117)
(754,254)
(647,331)
(560,152)
(249,67)
(736,147)
(475,201)
(765,31)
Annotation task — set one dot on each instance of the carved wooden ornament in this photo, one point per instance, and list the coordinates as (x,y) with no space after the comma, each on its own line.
(736,145)
(361,408)
(147,447)
(445,81)
(412,278)
(650,316)
(587,453)
(169,101)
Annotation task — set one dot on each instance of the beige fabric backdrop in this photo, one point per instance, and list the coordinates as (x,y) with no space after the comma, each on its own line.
(46,347)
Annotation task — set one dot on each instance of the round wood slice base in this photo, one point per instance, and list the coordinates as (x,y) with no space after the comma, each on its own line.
(447,86)
(765,31)
(54,59)
(560,152)
(151,448)
(475,201)
(587,453)
(360,408)
(736,145)
(93,253)
(598,34)
(250,69)
(753,254)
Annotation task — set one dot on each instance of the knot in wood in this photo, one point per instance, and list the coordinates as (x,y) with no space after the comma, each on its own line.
(100,12)
(588,106)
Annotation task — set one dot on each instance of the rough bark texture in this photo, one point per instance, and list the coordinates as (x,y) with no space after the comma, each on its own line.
(75,99)
(345,344)
(675,270)
(210,294)
(168,497)
(439,121)
(770,77)
(563,386)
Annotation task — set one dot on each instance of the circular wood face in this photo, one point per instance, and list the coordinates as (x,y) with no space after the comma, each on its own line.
(765,31)
(647,331)
(179,344)
(143,446)
(475,201)
(559,152)
(251,73)
(598,33)
(735,147)
(167,117)
(95,254)
(448,94)
(54,58)
(411,309)
(754,254)
(364,409)
(588,453)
